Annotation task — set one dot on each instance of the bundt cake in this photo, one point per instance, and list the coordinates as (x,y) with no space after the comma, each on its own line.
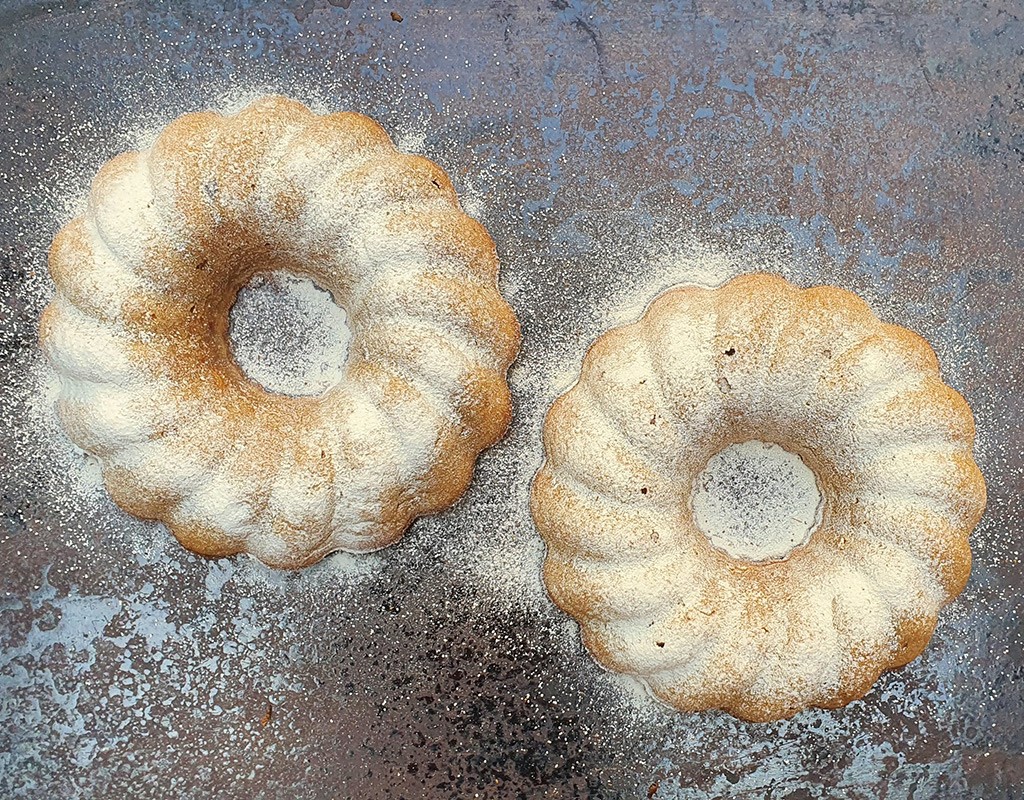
(757,498)
(138,334)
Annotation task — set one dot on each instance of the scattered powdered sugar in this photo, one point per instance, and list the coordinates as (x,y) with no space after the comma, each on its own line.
(289,335)
(496,549)
(686,263)
(756,501)
(474,202)
(411,140)
(79,474)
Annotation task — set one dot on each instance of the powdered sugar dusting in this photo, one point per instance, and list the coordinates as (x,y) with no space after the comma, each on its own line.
(756,501)
(687,263)
(401,671)
(411,140)
(78,471)
(289,335)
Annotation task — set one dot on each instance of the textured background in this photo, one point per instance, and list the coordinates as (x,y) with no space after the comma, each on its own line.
(610,150)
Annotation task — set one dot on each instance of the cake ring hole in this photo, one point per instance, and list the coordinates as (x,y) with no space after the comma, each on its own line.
(288,334)
(756,501)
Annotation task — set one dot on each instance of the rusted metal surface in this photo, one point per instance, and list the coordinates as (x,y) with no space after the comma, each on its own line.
(874,147)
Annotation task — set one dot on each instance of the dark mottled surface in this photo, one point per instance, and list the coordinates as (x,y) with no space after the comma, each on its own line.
(874,146)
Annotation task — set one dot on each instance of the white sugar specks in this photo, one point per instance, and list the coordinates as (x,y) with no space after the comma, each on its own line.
(78,474)
(411,140)
(687,264)
(289,335)
(756,501)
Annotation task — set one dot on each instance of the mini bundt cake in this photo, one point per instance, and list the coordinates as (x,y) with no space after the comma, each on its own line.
(757,498)
(138,334)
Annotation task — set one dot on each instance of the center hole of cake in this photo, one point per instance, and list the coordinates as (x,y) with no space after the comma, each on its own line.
(757,501)
(287,334)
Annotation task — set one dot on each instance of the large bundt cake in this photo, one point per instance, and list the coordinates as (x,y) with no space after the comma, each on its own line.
(757,498)
(138,333)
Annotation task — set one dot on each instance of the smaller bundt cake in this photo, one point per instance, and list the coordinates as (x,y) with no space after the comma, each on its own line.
(757,498)
(138,333)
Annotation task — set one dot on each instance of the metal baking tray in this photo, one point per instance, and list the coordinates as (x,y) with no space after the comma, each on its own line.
(611,150)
